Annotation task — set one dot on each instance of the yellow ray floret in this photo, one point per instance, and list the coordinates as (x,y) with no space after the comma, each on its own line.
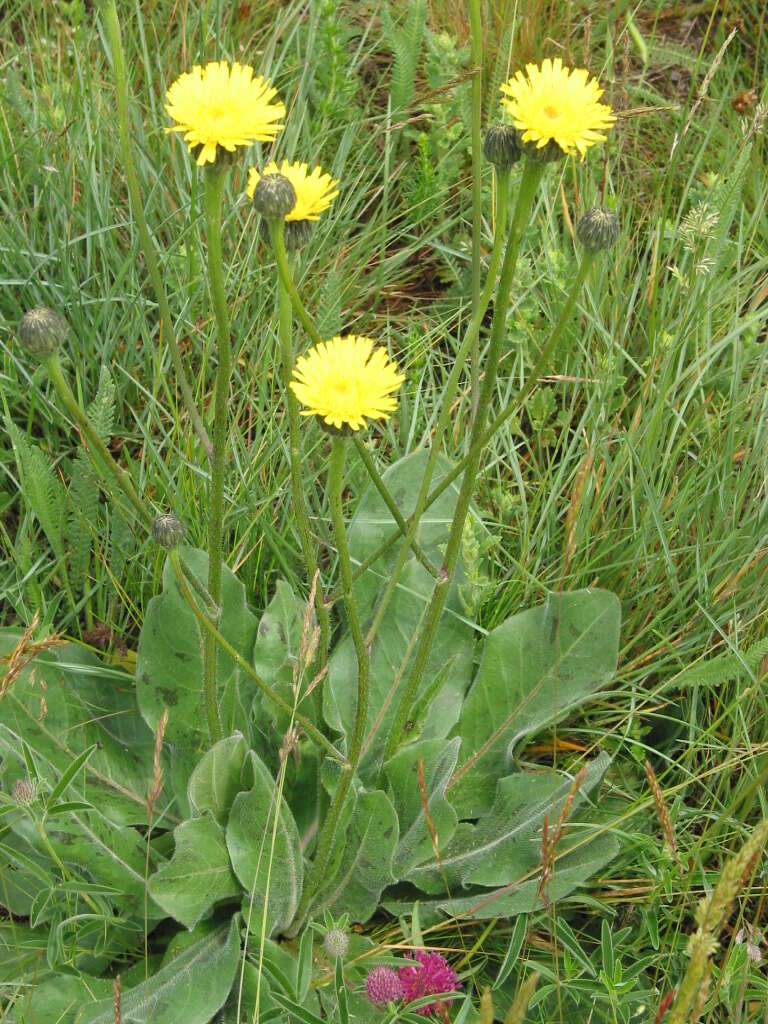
(314,191)
(552,103)
(225,106)
(346,380)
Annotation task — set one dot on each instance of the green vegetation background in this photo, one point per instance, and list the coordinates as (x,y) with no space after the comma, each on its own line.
(639,465)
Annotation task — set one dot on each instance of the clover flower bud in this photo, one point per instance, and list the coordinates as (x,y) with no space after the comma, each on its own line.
(41,331)
(274,196)
(168,531)
(598,229)
(336,942)
(383,986)
(24,792)
(501,146)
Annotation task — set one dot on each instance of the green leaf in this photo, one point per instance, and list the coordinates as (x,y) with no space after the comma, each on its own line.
(60,998)
(199,874)
(438,761)
(370,525)
(536,667)
(572,870)
(277,648)
(366,864)
(67,777)
(249,838)
(217,778)
(191,988)
(169,667)
(505,844)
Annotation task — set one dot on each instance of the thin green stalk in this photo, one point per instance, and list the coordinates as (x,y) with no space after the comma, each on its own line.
(477,183)
(215,179)
(391,504)
(532,176)
(111,24)
(446,404)
(182,578)
(95,443)
(498,421)
(327,834)
(284,270)
(276,231)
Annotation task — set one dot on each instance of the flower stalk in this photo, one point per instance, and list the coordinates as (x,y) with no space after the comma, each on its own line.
(215,180)
(477,182)
(532,175)
(327,836)
(285,331)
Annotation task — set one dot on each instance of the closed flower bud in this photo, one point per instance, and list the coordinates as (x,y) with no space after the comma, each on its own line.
(501,146)
(42,331)
(296,233)
(545,154)
(168,531)
(336,942)
(24,792)
(598,229)
(274,196)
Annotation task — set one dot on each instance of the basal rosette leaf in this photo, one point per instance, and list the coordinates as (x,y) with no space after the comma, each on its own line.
(536,667)
(390,656)
(275,877)
(169,667)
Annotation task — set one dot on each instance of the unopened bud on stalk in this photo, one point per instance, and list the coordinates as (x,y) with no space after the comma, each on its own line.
(336,942)
(168,531)
(598,229)
(296,233)
(24,792)
(546,154)
(501,146)
(41,332)
(274,196)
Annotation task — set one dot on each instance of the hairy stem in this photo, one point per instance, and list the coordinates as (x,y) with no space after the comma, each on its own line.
(532,175)
(391,504)
(100,454)
(215,179)
(327,836)
(183,580)
(446,405)
(477,184)
(276,231)
(286,277)
(112,31)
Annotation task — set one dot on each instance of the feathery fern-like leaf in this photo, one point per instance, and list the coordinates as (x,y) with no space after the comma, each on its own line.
(405,41)
(41,489)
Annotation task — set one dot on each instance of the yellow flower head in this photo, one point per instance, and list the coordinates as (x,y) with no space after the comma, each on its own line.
(314,192)
(555,104)
(345,380)
(225,106)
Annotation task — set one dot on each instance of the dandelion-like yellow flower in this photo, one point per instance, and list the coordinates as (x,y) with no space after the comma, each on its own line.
(225,106)
(555,104)
(314,191)
(345,380)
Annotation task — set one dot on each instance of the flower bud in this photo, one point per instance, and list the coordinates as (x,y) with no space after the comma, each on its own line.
(41,331)
(598,229)
(547,154)
(336,942)
(296,233)
(274,196)
(24,792)
(501,146)
(168,531)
